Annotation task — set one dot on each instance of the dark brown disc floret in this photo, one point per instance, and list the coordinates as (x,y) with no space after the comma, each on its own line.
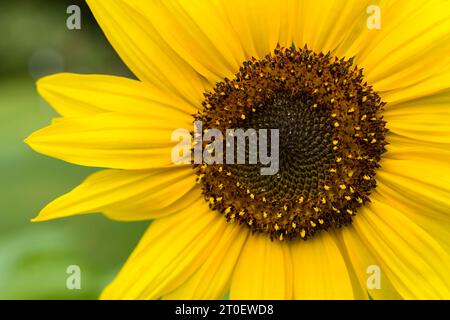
(331,138)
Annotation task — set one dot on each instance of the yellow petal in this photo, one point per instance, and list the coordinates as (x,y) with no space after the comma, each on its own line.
(154,206)
(404,148)
(419,204)
(320,269)
(363,261)
(145,51)
(416,104)
(329,26)
(429,217)
(263,271)
(425,119)
(415,263)
(144,195)
(170,252)
(439,229)
(212,280)
(424,182)
(112,140)
(197,31)
(214,38)
(257,24)
(81,95)
(434,84)
(411,46)
(260,25)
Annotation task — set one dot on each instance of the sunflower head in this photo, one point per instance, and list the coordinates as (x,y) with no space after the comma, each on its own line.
(331,132)
(193,61)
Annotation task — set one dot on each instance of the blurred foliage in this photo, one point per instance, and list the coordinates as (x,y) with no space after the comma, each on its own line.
(29,26)
(34,256)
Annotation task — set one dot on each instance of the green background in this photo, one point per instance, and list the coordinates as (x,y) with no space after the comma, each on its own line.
(34,256)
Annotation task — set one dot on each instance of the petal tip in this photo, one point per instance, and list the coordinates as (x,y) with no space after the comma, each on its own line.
(30,141)
(38,218)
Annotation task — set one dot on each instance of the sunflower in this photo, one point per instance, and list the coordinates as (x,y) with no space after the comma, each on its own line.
(363,187)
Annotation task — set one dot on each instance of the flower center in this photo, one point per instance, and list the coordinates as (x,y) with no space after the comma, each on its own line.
(331,138)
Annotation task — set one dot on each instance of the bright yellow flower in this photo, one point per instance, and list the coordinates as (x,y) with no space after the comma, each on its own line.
(179,50)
